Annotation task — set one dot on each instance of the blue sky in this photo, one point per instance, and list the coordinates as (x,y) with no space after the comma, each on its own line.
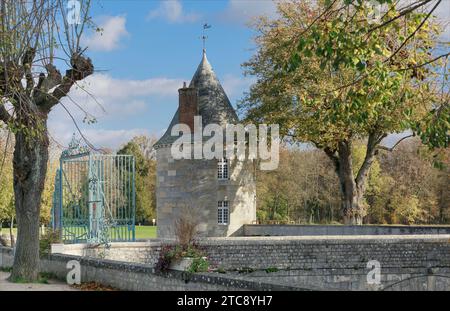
(145,52)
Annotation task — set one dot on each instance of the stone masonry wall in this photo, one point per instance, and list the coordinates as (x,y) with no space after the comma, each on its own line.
(329,262)
(330,252)
(293,252)
(177,194)
(138,277)
(302,230)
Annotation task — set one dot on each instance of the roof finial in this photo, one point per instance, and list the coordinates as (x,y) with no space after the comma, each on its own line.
(204,36)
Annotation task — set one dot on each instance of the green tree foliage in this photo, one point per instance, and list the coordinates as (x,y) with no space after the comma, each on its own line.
(7,211)
(302,190)
(409,189)
(403,187)
(330,75)
(140,148)
(47,194)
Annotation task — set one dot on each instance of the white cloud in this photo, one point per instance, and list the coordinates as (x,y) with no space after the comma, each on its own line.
(103,85)
(111,101)
(105,96)
(61,131)
(173,12)
(235,86)
(113,30)
(443,16)
(113,139)
(243,11)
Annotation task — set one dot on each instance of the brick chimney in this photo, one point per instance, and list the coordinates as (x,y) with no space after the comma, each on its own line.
(188,105)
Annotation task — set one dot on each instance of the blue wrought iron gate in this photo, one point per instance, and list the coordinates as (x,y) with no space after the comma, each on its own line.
(94,198)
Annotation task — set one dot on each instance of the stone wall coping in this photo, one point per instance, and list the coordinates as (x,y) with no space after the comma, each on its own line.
(353,226)
(6,249)
(327,239)
(85,246)
(418,238)
(104,263)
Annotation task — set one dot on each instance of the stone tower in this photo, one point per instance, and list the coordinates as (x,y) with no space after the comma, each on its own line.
(219,194)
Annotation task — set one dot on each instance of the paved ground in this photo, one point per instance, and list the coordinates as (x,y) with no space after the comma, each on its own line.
(52,286)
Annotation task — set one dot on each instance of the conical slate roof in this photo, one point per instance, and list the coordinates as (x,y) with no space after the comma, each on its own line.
(214,105)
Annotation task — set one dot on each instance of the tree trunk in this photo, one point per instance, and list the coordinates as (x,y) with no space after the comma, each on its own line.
(30,167)
(352,195)
(11,234)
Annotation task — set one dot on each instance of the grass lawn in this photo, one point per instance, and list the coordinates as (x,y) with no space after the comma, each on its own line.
(145,232)
(142,232)
(6,231)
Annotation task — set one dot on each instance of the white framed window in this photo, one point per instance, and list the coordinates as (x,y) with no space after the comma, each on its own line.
(222,169)
(223,213)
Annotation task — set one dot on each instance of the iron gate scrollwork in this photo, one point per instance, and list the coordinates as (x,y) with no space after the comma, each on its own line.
(94,198)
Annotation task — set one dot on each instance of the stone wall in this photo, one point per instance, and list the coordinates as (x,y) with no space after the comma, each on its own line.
(177,194)
(328,262)
(307,230)
(329,252)
(138,252)
(138,277)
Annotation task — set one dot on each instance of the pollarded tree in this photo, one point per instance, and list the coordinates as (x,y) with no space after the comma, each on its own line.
(35,37)
(330,74)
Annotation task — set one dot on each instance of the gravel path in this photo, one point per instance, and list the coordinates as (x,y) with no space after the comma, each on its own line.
(53,285)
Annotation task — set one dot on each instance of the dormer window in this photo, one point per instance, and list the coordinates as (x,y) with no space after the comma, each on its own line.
(222,169)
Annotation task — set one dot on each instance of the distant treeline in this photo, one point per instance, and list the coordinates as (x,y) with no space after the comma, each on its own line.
(404,187)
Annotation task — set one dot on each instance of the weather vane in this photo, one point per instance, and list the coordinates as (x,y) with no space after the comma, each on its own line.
(204,36)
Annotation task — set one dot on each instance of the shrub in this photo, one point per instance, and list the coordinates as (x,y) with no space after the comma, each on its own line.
(245,270)
(47,239)
(186,229)
(271,269)
(200,264)
(221,270)
(164,259)
(171,253)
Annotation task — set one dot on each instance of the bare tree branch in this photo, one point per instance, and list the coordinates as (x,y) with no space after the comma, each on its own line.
(4,114)
(332,155)
(27,63)
(426,63)
(372,142)
(81,68)
(414,32)
(402,13)
(396,144)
